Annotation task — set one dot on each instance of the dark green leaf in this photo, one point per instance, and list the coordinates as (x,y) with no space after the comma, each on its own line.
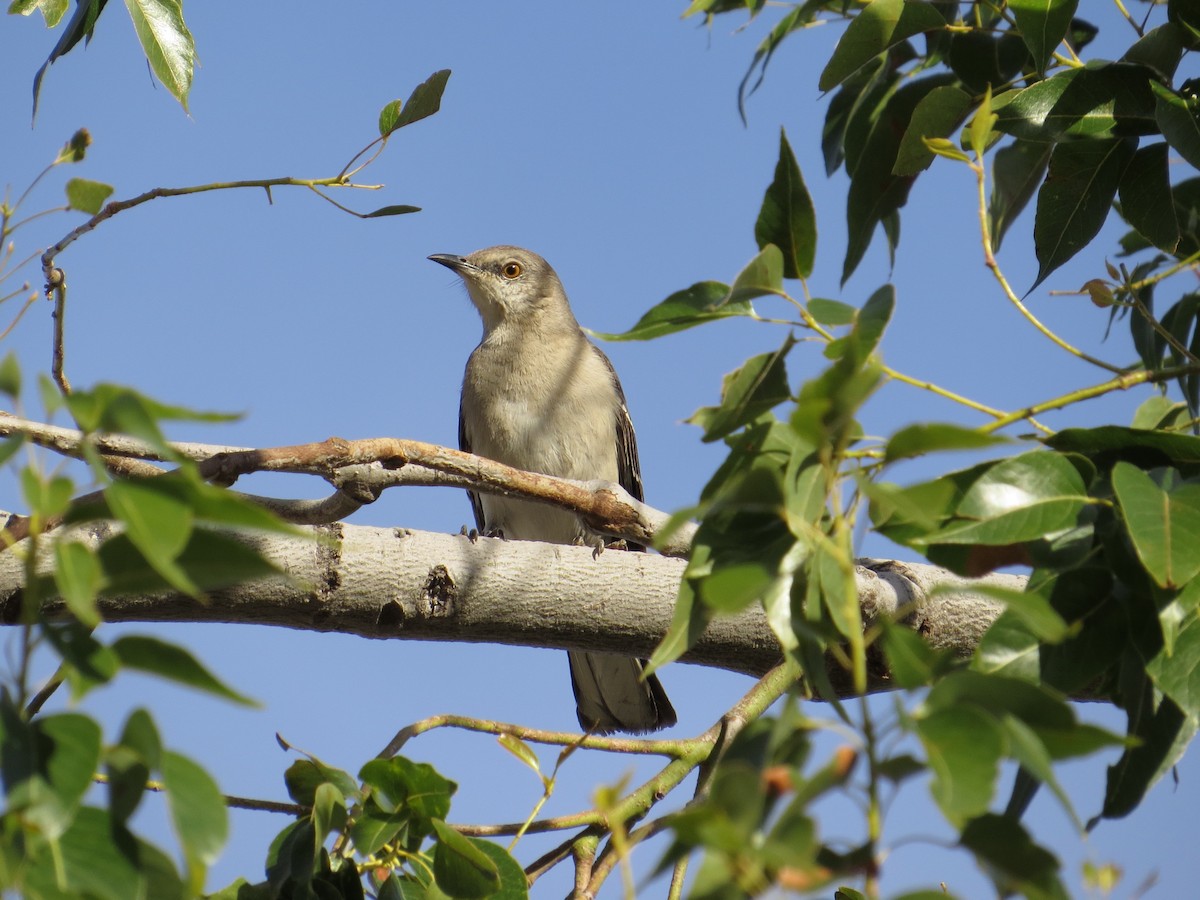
(418,786)
(391,211)
(930,437)
(130,763)
(1146,197)
(936,116)
(460,867)
(984,60)
(912,662)
(688,622)
(684,309)
(1098,101)
(798,17)
(1159,50)
(157,522)
(1043,25)
(513,883)
(304,776)
(1178,120)
(210,560)
(1178,674)
(876,194)
(1162,517)
(174,663)
(81,25)
(1075,198)
(786,218)
(1015,862)
(167,43)
(759,385)
(1109,442)
(424,101)
(197,813)
(877,27)
(1017,170)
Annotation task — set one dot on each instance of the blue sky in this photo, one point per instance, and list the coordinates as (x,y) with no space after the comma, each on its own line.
(605,137)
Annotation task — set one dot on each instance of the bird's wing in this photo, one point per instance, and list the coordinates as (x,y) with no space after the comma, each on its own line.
(629,469)
(464,444)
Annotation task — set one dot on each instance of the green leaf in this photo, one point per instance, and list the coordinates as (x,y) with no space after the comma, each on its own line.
(1030,607)
(877,27)
(388,116)
(399,210)
(424,101)
(1043,25)
(130,763)
(460,867)
(1109,442)
(513,883)
(46,496)
(304,776)
(786,218)
(79,578)
(174,663)
(197,812)
(1146,202)
(87,196)
(1177,119)
(210,561)
(1014,861)
(930,437)
(417,788)
(167,43)
(1177,674)
(10,376)
(964,747)
(762,275)
(936,115)
(157,522)
(1017,170)
(798,17)
(831,312)
(758,386)
(1101,100)
(99,858)
(688,622)
(912,662)
(877,194)
(982,59)
(1075,198)
(696,305)
(1162,517)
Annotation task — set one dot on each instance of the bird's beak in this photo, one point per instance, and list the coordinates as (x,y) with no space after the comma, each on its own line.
(453,261)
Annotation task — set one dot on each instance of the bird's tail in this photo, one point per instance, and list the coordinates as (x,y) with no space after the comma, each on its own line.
(612,694)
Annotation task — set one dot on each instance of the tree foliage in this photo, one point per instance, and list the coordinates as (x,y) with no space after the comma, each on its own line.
(1105,520)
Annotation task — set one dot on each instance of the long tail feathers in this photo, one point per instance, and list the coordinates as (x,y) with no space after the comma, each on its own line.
(611,694)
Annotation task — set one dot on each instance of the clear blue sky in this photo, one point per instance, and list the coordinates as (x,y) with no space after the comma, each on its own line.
(606,138)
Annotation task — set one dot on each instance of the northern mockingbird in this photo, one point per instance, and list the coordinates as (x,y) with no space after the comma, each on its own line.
(539,396)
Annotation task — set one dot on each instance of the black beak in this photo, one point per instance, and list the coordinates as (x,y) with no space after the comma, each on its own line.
(451,261)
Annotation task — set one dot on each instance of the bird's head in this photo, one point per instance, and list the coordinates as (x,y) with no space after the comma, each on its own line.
(510,285)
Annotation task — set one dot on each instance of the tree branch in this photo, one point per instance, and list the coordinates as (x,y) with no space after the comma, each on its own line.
(396,583)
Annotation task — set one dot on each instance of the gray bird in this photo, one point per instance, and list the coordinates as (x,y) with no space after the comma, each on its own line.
(539,396)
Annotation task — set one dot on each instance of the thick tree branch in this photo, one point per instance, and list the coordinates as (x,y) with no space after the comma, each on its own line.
(395,583)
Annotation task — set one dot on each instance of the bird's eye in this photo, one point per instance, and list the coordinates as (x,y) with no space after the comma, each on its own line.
(512,270)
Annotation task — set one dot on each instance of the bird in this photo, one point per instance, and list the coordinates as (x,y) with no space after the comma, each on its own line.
(538,395)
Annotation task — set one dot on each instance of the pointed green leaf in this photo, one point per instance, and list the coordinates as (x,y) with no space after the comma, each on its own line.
(461,868)
(684,309)
(87,196)
(759,385)
(388,116)
(1015,862)
(174,663)
(1017,171)
(167,43)
(936,116)
(1179,121)
(881,24)
(930,437)
(1162,517)
(400,210)
(762,275)
(513,883)
(1043,25)
(1146,202)
(197,812)
(1098,101)
(424,101)
(786,218)
(1075,199)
